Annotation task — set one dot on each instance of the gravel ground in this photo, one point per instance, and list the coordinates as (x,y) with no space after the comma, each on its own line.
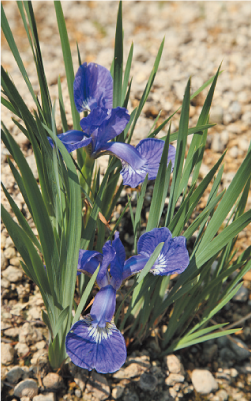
(198,37)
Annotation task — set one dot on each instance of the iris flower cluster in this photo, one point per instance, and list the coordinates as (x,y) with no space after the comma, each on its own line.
(93,93)
(95,342)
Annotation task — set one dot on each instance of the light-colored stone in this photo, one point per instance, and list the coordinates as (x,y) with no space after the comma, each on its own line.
(12,273)
(222,395)
(5,283)
(173,364)
(22,349)
(3,372)
(216,114)
(4,261)
(34,313)
(45,397)
(29,335)
(40,344)
(217,145)
(3,241)
(40,357)
(117,392)
(241,295)
(22,139)
(15,261)
(10,252)
(53,381)
(7,354)
(203,381)
(137,366)
(26,388)
(174,378)
(5,326)
(98,386)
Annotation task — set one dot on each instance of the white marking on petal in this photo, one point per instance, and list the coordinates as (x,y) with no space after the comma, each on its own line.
(160,265)
(98,333)
(85,105)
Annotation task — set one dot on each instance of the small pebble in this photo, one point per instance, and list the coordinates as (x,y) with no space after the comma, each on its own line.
(147,382)
(173,364)
(45,397)
(12,273)
(203,381)
(240,349)
(241,295)
(117,392)
(53,381)
(7,354)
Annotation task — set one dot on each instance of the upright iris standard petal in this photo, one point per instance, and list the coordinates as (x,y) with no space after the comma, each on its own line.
(117,264)
(93,121)
(173,258)
(93,87)
(91,347)
(103,307)
(108,256)
(73,140)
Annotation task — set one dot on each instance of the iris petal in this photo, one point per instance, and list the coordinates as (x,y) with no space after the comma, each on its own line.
(88,261)
(108,256)
(148,241)
(111,127)
(104,304)
(134,265)
(117,263)
(173,258)
(93,87)
(140,161)
(73,140)
(90,347)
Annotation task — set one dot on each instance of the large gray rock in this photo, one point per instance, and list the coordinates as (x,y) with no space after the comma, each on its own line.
(26,388)
(14,374)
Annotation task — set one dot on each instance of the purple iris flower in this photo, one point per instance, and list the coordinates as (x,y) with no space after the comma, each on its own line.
(95,342)
(173,258)
(93,92)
